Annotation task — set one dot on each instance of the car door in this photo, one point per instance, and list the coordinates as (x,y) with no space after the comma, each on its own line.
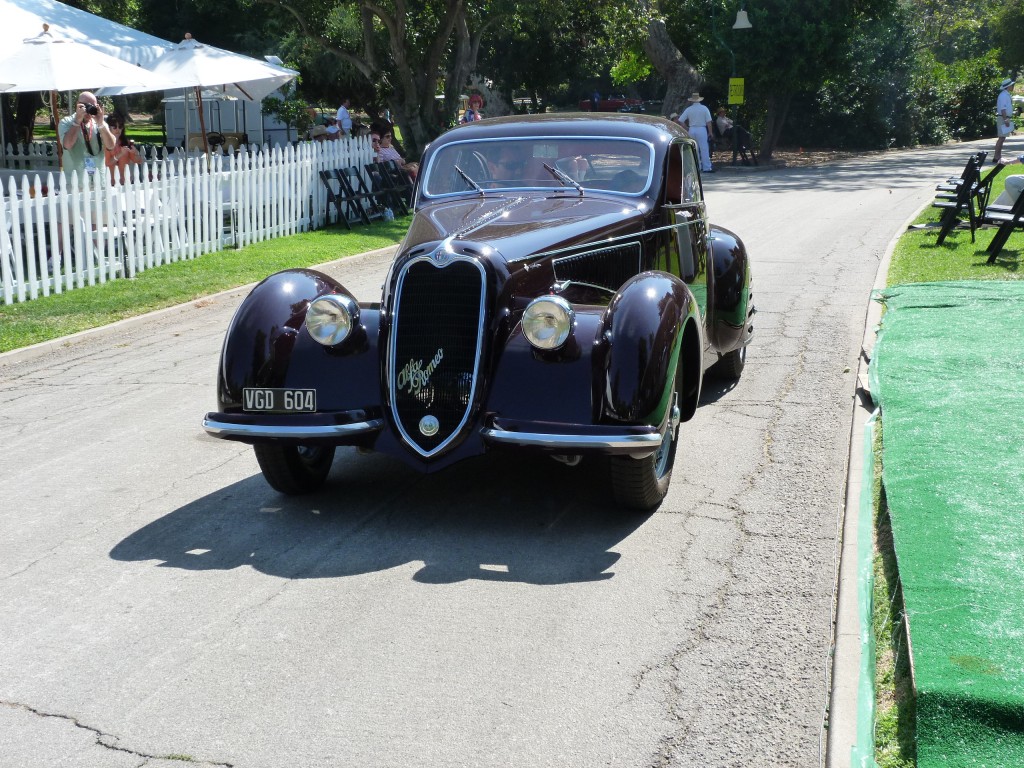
(684,220)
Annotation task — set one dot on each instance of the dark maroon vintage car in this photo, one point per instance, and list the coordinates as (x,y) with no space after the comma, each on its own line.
(559,290)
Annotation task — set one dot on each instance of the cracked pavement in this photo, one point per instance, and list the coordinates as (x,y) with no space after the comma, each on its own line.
(158,602)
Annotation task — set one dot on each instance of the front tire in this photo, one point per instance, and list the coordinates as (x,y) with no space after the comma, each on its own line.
(642,484)
(732,364)
(294,470)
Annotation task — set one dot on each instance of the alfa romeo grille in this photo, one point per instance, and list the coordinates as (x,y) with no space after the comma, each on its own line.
(435,349)
(606,267)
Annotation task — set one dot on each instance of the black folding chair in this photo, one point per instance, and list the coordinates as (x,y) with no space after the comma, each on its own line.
(955,197)
(335,197)
(1007,221)
(983,192)
(384,189)
(401,180)
(360,202)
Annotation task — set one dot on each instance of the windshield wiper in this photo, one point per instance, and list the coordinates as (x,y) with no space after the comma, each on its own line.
(469,181)
(565,178)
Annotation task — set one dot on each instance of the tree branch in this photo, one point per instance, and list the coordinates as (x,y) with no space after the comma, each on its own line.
(364,68)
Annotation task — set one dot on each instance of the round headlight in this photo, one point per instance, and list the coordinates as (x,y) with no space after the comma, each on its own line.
(330,319)
(547,322)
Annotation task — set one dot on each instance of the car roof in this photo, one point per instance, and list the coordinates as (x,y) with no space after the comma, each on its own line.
(656,130)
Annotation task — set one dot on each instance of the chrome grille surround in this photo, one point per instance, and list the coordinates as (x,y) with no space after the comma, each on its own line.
(434,348)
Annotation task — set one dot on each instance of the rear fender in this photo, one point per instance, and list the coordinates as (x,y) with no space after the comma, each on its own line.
(729,303)
(646,326)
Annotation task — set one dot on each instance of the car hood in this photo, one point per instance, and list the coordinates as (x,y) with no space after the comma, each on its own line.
(523,225)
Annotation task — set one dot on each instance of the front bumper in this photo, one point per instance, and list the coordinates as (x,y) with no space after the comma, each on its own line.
(252,427)
(637,441)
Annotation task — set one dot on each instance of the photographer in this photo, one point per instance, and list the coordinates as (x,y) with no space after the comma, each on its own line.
(84,135)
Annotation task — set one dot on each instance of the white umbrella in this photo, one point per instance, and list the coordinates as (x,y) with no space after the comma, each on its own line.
(50,63)
(24,18)
(191,64)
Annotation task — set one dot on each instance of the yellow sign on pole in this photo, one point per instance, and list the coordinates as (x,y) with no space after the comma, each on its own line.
(735,90)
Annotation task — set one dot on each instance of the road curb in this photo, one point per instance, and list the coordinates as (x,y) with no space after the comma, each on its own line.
(847,648)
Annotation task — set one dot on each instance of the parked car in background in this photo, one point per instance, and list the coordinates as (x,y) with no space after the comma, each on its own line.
(560,290)
(613,104)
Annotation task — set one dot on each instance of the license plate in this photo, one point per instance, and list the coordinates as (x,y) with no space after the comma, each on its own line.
(266,400)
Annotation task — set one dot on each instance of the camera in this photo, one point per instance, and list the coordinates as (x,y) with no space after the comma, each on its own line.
(92,109)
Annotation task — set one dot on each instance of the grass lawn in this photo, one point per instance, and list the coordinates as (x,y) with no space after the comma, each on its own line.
(54,316)
(917,259)
(139,132)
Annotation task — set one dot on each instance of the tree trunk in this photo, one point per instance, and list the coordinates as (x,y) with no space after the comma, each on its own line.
(679,74)
(778,111)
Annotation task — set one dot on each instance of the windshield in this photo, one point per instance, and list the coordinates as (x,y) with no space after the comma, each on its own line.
(615,165)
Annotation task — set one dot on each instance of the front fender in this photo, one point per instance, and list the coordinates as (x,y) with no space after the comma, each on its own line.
(267,345)
(644,329)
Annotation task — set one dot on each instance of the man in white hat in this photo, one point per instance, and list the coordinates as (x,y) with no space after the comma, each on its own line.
(1004,115)
(696,119)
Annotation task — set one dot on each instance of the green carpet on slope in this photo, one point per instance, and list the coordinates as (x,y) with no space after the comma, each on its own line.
(948,372)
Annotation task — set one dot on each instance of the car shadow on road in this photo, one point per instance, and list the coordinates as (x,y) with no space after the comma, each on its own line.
(714,389)
(505,519)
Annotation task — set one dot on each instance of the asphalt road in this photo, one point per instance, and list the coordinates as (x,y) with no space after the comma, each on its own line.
(159,600)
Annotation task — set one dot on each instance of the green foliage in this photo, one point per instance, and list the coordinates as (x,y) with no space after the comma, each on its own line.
(1009,35)
(543,47)
(952,30)
(631,67)
(291,111)
(972,87)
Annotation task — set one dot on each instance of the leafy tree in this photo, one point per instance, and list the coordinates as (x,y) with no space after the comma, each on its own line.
(404,47)
(1008,22)
(544,46)
(292,112)
(955,30)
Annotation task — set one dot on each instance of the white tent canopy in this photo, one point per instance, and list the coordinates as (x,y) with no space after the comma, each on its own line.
(20,19)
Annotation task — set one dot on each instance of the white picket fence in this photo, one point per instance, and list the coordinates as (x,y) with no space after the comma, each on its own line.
(59,234)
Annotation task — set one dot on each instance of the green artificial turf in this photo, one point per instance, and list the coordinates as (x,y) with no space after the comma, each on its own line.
(946,371)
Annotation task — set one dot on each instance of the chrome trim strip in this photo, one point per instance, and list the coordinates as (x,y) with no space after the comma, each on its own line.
(223,428)
(542,439)
(393,344)
(608,241)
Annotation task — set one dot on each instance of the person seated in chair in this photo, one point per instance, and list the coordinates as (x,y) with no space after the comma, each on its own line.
(123,152)
(726,127)
(388,152)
